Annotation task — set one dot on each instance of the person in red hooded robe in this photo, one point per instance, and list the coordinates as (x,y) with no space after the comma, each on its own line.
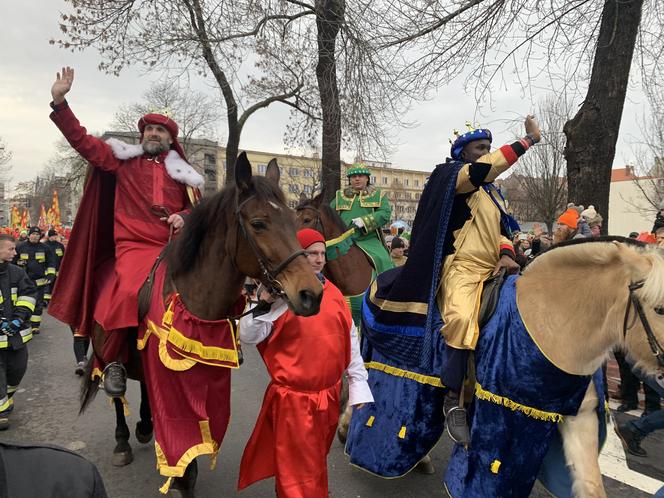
(306,358)
(134,199)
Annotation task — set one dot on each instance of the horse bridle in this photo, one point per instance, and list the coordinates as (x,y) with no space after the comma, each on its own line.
(633,301)
(319,224)
(269,275)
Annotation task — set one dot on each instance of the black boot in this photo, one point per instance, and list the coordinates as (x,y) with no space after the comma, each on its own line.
(631,440)
(456,421)
(115,379)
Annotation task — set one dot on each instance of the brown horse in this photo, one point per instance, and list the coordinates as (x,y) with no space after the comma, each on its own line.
(246,229)
(352,272)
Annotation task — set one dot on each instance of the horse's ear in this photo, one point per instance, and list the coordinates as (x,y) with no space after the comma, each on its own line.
(242,172)
(636,262)
(273,173)
(303,197)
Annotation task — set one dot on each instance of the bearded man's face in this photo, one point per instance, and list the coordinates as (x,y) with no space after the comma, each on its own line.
(156,139)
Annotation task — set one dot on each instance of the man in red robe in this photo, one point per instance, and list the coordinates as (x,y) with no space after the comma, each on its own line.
(306,358)
(134,199)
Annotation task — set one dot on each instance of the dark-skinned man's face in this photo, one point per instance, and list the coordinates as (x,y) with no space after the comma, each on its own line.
(475,149)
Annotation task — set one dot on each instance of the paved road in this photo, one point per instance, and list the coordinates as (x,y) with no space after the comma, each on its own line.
(47,406)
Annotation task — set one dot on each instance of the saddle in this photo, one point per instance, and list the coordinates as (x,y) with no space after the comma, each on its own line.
(490,297)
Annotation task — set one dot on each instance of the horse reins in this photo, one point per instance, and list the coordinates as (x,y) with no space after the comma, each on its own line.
(633,301)
(269,275)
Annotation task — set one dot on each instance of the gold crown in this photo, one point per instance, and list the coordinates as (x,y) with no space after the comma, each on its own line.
(457,133)
(164,112)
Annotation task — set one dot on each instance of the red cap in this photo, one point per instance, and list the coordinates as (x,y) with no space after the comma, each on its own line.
(646,237)
(166,122)
(308,236)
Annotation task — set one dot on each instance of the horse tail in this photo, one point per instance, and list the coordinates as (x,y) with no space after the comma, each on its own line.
(89,386)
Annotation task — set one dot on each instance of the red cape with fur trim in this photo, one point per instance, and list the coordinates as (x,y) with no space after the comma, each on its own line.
(90,247)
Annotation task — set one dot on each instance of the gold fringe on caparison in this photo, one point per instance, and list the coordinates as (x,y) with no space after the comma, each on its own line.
(125,405)
(514,406)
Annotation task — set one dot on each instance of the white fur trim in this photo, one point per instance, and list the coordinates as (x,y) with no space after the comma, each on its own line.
(123,150)
(176,167)
(181,171)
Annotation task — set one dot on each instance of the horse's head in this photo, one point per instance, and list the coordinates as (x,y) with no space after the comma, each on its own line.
(644,324)
(308,213)
(267,248)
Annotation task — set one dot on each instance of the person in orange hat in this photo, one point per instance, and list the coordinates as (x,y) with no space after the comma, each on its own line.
(134,200)
(306,358)
(567,225)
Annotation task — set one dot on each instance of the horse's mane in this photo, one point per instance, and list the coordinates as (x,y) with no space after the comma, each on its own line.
(601,250)
(217,211)
(325,209)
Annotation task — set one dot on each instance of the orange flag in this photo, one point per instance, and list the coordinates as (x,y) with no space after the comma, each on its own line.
(24,218)
(15,217)
(42,223)
(55,208)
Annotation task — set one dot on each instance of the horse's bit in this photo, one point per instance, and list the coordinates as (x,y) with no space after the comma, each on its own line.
(633,301)
(269,275)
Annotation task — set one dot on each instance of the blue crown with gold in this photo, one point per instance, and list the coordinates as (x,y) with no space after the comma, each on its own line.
(464,139)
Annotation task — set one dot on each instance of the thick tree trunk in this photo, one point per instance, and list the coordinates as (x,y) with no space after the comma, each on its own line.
(329,16)
(593,132)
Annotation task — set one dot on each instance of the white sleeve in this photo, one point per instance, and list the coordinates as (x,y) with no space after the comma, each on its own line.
(253,330)
(358,387)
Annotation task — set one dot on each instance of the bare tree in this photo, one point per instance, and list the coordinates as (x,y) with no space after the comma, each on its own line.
(206,36)
(196,113)
(517,42)
(542,172)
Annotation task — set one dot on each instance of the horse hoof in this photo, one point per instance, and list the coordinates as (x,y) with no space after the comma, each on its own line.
(122,458)
(143,438)
(425,466)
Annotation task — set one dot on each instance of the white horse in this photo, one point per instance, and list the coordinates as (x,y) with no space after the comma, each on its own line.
(580,301)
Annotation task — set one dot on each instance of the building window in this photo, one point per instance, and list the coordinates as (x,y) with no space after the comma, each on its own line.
(417,183)
(417,197)
(294,171)
(307,189)
(308,173)
(405,182)
(262,168)
(292,204)
(384,180)
(210,168)
(293,188)
(373,179)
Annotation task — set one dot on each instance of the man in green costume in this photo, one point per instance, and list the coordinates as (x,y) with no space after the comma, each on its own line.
(367,209)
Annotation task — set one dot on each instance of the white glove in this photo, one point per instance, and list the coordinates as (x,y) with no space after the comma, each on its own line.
(358,222)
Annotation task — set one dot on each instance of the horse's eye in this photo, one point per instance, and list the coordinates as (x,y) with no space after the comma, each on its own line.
(659,310)
(258,224)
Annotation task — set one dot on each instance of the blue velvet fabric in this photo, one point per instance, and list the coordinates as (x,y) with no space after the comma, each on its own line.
(507,445)
(406,415)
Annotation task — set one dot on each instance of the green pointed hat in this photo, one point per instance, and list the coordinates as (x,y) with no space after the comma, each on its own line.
(358,169)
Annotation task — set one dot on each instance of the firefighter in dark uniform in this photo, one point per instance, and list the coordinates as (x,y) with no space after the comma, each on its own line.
(37,260)
(58,250)
(18,296)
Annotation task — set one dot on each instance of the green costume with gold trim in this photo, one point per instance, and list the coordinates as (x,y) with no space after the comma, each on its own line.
(372,206)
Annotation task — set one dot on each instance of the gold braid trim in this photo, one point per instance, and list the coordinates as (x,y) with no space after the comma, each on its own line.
(340,238)
(178,340)
(208,447)
(398,372)
(514,406)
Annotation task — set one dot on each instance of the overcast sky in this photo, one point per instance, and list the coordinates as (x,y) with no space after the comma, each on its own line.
(29,63)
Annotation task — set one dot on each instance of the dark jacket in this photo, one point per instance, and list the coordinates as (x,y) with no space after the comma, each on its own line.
(31,471)
(38,261)
(58,250)
(18,296)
